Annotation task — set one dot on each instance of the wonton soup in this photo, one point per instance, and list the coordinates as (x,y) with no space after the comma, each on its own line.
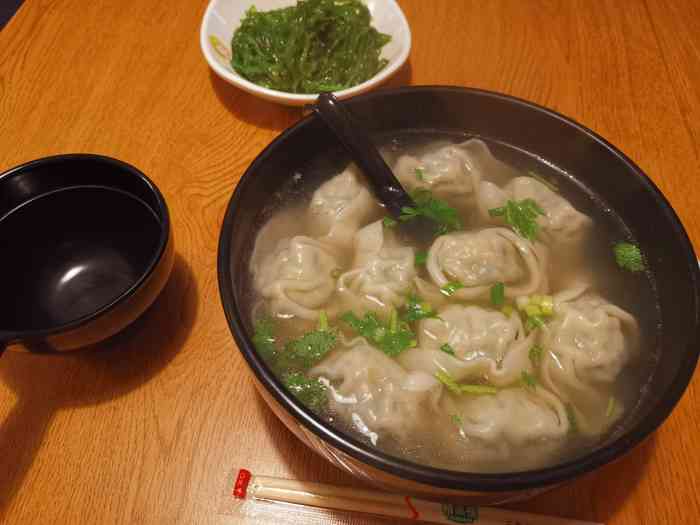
(520,337)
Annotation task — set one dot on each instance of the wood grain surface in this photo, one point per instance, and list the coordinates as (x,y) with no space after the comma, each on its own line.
(146,428)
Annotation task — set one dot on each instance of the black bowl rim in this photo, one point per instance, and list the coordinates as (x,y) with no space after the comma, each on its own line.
(454,480)
(161,211)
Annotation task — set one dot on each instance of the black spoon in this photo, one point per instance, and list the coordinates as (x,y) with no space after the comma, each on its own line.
(383,183)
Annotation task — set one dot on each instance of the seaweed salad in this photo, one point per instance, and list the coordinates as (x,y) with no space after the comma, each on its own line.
(314,46)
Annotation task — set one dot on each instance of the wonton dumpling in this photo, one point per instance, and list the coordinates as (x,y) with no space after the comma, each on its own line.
(339,207)
(296,278)
(487,345)
(514,429)
(562,223)
(587,344)
(382,272)
(452,172)
(372,393)
(596,337)
(478,259)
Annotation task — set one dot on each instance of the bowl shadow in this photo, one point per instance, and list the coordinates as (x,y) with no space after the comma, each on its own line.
(45,383)
(270,115)
(251,109)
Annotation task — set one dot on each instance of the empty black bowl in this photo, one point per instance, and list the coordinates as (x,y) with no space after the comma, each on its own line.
(87,248)
(529,128)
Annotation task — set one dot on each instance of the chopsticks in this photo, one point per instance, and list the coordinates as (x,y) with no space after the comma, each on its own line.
(378,503)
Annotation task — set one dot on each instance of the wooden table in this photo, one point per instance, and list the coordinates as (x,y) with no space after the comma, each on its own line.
(146,429)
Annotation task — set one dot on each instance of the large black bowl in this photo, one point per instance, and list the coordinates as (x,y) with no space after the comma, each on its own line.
(531,128)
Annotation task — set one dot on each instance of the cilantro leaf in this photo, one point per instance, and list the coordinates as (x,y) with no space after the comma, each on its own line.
(456,420)
(498,294)
(309,349)
(264,338)
(421,258)
(521,216)
(447,348)
(451,287)
(389,222)
(528,380)
(392,338)
(442,214)
(629,257)
(311,392)
(417,310)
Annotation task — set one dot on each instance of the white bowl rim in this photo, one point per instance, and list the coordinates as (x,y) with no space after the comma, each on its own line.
(296,98)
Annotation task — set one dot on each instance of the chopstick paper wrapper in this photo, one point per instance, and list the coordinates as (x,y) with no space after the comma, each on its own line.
(274,500)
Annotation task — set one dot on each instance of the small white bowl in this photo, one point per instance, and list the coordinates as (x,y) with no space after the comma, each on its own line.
(223,17)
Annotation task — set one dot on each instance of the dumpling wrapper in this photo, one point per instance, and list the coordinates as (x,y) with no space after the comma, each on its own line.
(382,273)
(487,345)
(453,172)
(373,394)
(562,224)
(479,259)
(339,207)
(588,343)
(297,277)
(515,429)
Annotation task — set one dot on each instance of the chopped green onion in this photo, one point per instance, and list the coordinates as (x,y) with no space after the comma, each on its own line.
(547,305)
(479,390)
(454,387)
(323,320)
(456,420)
(419,174)
(611,407)
(450,384)
(451,287)
(498,294)
(447,349)
(421,258)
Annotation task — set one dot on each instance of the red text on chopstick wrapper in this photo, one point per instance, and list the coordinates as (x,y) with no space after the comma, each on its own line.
(239,489)
(414,512)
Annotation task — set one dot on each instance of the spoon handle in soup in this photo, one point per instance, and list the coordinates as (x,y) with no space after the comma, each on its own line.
(385,185)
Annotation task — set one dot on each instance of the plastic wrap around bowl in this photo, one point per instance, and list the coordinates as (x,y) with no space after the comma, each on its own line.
(530,128)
